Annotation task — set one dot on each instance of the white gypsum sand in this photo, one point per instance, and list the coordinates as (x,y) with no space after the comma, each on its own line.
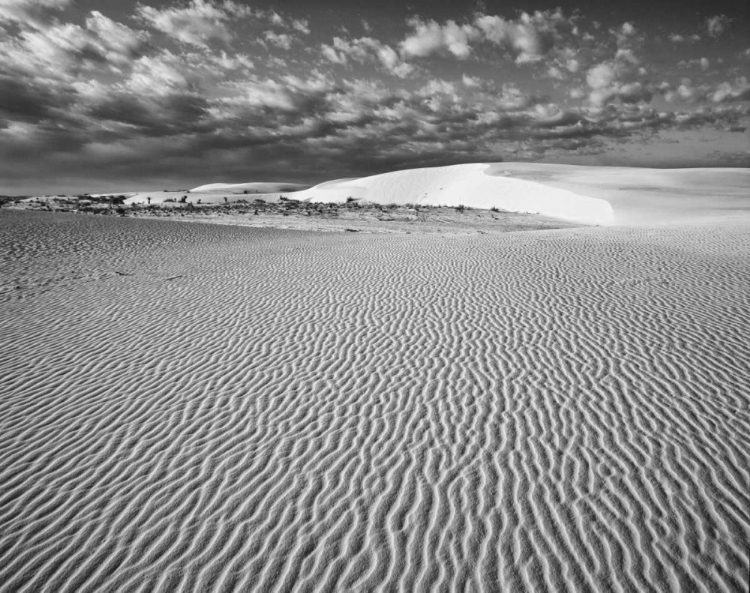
(206,407)
(249,188)
(466,185)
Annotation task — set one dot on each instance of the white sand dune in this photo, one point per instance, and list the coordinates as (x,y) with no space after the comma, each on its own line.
(250,188)
(466,185)
(647,196)
(214,408)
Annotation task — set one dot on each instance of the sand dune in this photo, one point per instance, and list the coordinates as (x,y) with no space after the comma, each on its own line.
(214,408)
(466,185)
(647,196)
(585,194)
(250,188)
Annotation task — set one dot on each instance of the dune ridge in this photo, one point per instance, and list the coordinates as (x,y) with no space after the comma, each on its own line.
(214,408)
(647,196)
(255,187)
(466,185)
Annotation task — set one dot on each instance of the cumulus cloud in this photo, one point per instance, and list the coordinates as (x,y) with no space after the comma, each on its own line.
(471,81)
(738,90)
(195,23)
(430,37)
(64,49)
(677,38)
(628,29)
(618,79)
(27,12)
(686,91)
(282,40)
(577,92)
(717,25)
(528,39)
(702,63)
(161,74)
(301,25)
(127,98)
(366,49)
(512,98)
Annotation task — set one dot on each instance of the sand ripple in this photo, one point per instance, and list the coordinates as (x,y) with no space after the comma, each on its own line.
(195,407)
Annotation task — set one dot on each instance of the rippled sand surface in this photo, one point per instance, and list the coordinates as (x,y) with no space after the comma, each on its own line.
(215,408)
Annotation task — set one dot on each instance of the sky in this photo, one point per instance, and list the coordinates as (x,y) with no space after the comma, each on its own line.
(119,95)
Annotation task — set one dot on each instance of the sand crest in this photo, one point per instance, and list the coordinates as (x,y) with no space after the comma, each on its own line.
(466,185)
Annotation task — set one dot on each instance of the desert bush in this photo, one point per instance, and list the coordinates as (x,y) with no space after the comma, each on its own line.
(460,208)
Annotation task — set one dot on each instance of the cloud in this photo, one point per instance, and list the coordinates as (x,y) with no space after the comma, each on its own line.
(159,75)
(471,81)
(602,75)
(282,40)
(34,101)
(738,90)
(677,38)
(429,37)
(120,42)
(702,63)
(618,80)
(302,26)
(92,93)
(724,92)
(366,49)
(686,91)
(30,12)
(65,49)
(628,29)
(528,39)
(717,25)
(196,23)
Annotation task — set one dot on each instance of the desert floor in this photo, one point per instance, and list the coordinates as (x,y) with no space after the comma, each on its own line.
(209,407)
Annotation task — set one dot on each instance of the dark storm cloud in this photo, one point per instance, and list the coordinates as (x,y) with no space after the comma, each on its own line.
(174,114)
(27,101)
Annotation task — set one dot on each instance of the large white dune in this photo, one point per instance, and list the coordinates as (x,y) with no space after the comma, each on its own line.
(589,194)
(257,187)
(466,185)
(647,196)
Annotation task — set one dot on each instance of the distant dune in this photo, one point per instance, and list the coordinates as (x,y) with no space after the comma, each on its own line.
(251,188)
(466,185)
(586,194)
(651,196)
(198,407)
